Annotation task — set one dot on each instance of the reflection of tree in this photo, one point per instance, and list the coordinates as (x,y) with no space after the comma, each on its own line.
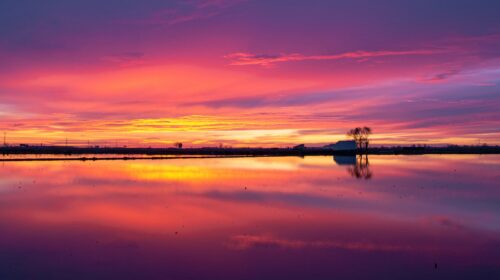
(362,168)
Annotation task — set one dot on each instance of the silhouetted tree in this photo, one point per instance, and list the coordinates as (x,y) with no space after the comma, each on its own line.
(355,134)
(178,145)
(361,136)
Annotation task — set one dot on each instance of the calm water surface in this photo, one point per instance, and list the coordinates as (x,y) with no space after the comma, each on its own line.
(393,217)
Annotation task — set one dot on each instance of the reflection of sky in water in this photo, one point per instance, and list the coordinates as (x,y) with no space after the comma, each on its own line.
(251,218)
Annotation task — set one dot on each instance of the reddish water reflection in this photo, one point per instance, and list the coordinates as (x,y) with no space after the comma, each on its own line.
(251,218)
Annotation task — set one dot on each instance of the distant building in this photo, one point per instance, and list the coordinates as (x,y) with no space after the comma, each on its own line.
(346,145)
(300,147)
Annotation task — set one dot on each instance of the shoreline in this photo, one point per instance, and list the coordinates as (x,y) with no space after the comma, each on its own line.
(59,153)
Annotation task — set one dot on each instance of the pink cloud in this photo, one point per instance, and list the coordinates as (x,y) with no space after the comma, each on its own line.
(266,60)
(245,242)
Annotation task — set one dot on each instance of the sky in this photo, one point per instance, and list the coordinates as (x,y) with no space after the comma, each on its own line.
(249,72)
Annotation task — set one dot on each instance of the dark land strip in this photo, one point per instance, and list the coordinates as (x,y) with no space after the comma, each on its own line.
(94,153)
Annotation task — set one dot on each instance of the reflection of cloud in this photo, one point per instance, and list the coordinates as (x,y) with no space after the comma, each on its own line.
(301,199)
(246,242)
(265,60)
(449,223)
(256,164)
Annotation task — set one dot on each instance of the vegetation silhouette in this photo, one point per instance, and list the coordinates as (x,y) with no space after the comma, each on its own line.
(178,145)
(361,136)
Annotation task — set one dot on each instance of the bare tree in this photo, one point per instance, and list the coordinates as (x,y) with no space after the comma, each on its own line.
(355,134)
(365,134)
(361,136)
(178,145)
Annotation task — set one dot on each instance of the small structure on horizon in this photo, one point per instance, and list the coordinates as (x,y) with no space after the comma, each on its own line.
(344,145)
(178,145)
(300,147)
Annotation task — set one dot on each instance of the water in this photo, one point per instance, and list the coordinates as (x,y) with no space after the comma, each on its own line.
(388,217)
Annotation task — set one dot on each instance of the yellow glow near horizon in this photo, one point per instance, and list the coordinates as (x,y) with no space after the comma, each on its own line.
(206,130)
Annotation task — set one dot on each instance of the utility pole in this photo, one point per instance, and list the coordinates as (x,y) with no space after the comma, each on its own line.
(4,139)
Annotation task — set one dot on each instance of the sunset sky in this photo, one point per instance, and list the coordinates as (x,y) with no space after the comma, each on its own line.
(249,72)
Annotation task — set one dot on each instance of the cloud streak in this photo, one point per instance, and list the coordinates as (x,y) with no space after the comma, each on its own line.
(247,242)
(242,58)
(188,11)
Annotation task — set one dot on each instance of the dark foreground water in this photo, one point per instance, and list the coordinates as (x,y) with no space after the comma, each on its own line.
(393,217)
